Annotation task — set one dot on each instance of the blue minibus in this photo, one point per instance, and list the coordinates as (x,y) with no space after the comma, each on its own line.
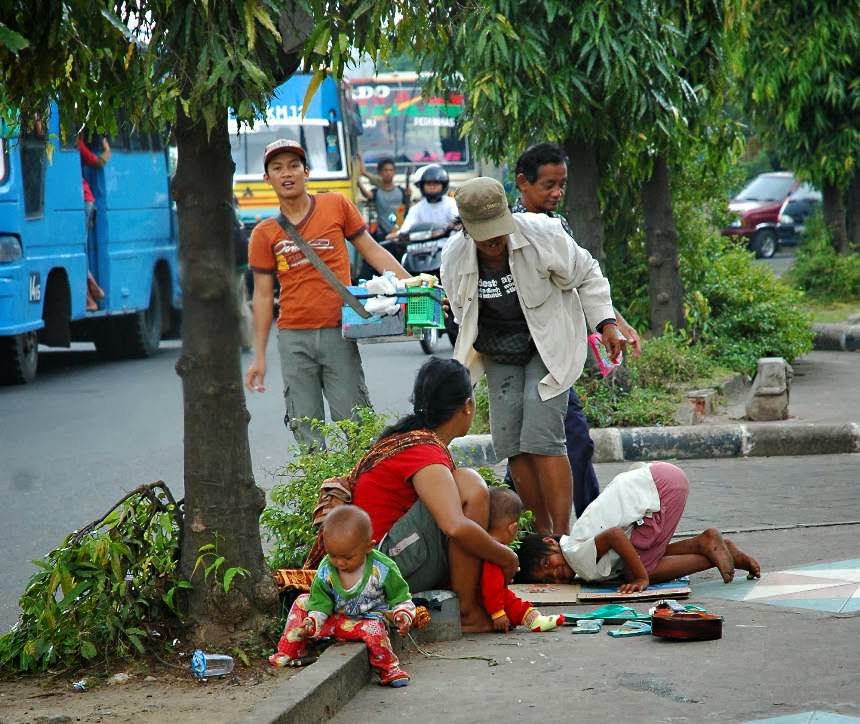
(48,247)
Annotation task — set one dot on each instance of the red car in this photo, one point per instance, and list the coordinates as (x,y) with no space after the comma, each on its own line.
(756,211)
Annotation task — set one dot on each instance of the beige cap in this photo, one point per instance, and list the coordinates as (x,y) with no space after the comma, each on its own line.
(283,145)
(483,208)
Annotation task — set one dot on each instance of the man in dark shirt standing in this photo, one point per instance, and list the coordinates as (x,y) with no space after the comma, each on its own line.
(541,177)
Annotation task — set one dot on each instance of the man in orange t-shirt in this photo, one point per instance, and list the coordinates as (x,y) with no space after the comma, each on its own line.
(315,359)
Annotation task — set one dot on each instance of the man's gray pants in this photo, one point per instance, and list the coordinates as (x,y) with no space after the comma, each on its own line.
(317,362)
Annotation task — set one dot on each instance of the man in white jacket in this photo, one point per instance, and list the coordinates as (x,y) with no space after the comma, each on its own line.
(522,292)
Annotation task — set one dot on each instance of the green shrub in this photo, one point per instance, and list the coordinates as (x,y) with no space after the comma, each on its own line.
(822,273)
(100,593)
(607,405)
(288,522)
(746,312)
(481,421)
(668,361)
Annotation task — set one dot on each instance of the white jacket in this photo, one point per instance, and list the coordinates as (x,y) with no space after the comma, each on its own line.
(559,286)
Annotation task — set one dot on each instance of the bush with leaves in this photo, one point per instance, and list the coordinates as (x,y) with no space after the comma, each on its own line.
(100,593)
(669,361)
(822,273)
(288,522)
(744,312)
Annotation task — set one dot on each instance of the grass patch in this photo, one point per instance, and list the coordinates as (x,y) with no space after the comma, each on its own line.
(668,368)
(832,312)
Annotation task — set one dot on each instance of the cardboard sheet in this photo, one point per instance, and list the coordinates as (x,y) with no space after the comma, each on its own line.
(546,593)
(679,588)
(571,593)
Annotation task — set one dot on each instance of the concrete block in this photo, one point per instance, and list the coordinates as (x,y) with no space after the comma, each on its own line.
(474,450)
(682,443)
(829,336)
(607,445)
(444,607)
(318,692)
(700,404)
(768,439)
(852,338)
(768,396)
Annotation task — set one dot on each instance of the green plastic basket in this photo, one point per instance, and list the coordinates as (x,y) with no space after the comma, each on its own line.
(424,308)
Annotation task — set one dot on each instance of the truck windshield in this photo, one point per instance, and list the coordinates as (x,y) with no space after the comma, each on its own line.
(767,188)
(397,120)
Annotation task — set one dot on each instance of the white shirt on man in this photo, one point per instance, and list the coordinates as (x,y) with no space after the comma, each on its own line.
(441,214)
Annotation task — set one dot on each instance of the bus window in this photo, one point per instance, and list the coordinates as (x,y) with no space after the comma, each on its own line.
(320,131)
(4,162)
(323,141)
(397,120)
(33,160)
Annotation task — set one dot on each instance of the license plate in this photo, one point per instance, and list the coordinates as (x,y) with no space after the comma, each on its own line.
(423,246)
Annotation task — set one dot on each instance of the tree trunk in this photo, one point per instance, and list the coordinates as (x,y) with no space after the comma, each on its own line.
(222,502)
(583,203)
(834,216)
(852,209)
(665,291)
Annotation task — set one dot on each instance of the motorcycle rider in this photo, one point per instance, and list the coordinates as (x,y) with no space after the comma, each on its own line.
(435,206)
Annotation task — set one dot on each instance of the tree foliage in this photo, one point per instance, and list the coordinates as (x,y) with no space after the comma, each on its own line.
(800,76)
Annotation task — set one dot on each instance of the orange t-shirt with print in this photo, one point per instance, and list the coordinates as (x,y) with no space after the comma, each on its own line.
(307,300)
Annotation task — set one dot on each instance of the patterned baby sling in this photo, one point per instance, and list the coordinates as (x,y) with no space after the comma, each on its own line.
(338,490)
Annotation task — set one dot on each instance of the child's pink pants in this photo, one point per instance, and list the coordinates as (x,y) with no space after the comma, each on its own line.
(372,631)
(651,538)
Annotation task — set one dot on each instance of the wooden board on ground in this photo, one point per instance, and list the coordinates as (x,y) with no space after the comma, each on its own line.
(679,588)
(546,593)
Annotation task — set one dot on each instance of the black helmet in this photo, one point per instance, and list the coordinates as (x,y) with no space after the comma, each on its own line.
(434,172)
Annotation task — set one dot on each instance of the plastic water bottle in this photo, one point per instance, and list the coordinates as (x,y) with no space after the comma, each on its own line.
(206,665)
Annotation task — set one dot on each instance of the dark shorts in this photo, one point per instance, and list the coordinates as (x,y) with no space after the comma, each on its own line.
(419,549)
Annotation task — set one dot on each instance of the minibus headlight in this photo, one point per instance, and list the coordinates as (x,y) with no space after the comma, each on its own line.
(10,249)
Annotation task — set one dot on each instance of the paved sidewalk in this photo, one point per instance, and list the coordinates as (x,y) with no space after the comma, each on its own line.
(788,511)
(777,657)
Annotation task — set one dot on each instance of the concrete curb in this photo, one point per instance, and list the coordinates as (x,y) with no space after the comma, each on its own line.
(318,692)
(838,337)
(760,439)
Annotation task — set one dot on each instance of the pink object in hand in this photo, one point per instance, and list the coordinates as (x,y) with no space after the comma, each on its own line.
(604,364)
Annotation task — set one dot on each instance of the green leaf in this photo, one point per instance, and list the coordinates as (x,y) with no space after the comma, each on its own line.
(12,40)
(135,641)
(88,651)
(230,573)
(316,81)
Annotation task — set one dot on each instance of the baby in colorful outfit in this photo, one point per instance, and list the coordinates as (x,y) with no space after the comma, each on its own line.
(505,608)
(355,590)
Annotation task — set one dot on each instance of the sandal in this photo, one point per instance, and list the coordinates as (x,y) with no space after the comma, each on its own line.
(395,677)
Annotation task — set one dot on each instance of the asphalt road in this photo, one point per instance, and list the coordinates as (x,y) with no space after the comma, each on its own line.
(781,261)
(85,432)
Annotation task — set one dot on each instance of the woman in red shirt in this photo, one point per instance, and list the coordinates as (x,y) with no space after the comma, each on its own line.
(429,516)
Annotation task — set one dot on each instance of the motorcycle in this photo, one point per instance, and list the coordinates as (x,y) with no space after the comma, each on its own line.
(423,255)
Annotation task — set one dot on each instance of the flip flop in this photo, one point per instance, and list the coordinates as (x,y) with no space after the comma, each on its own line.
(631,628)
(611,613)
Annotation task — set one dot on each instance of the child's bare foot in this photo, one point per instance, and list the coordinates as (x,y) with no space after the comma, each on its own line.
(715,549)
(743,560)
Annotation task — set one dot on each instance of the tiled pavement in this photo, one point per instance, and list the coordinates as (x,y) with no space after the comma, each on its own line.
(809,717)
(828,587)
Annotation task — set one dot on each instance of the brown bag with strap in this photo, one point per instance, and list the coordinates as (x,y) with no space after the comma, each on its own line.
(338,490)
